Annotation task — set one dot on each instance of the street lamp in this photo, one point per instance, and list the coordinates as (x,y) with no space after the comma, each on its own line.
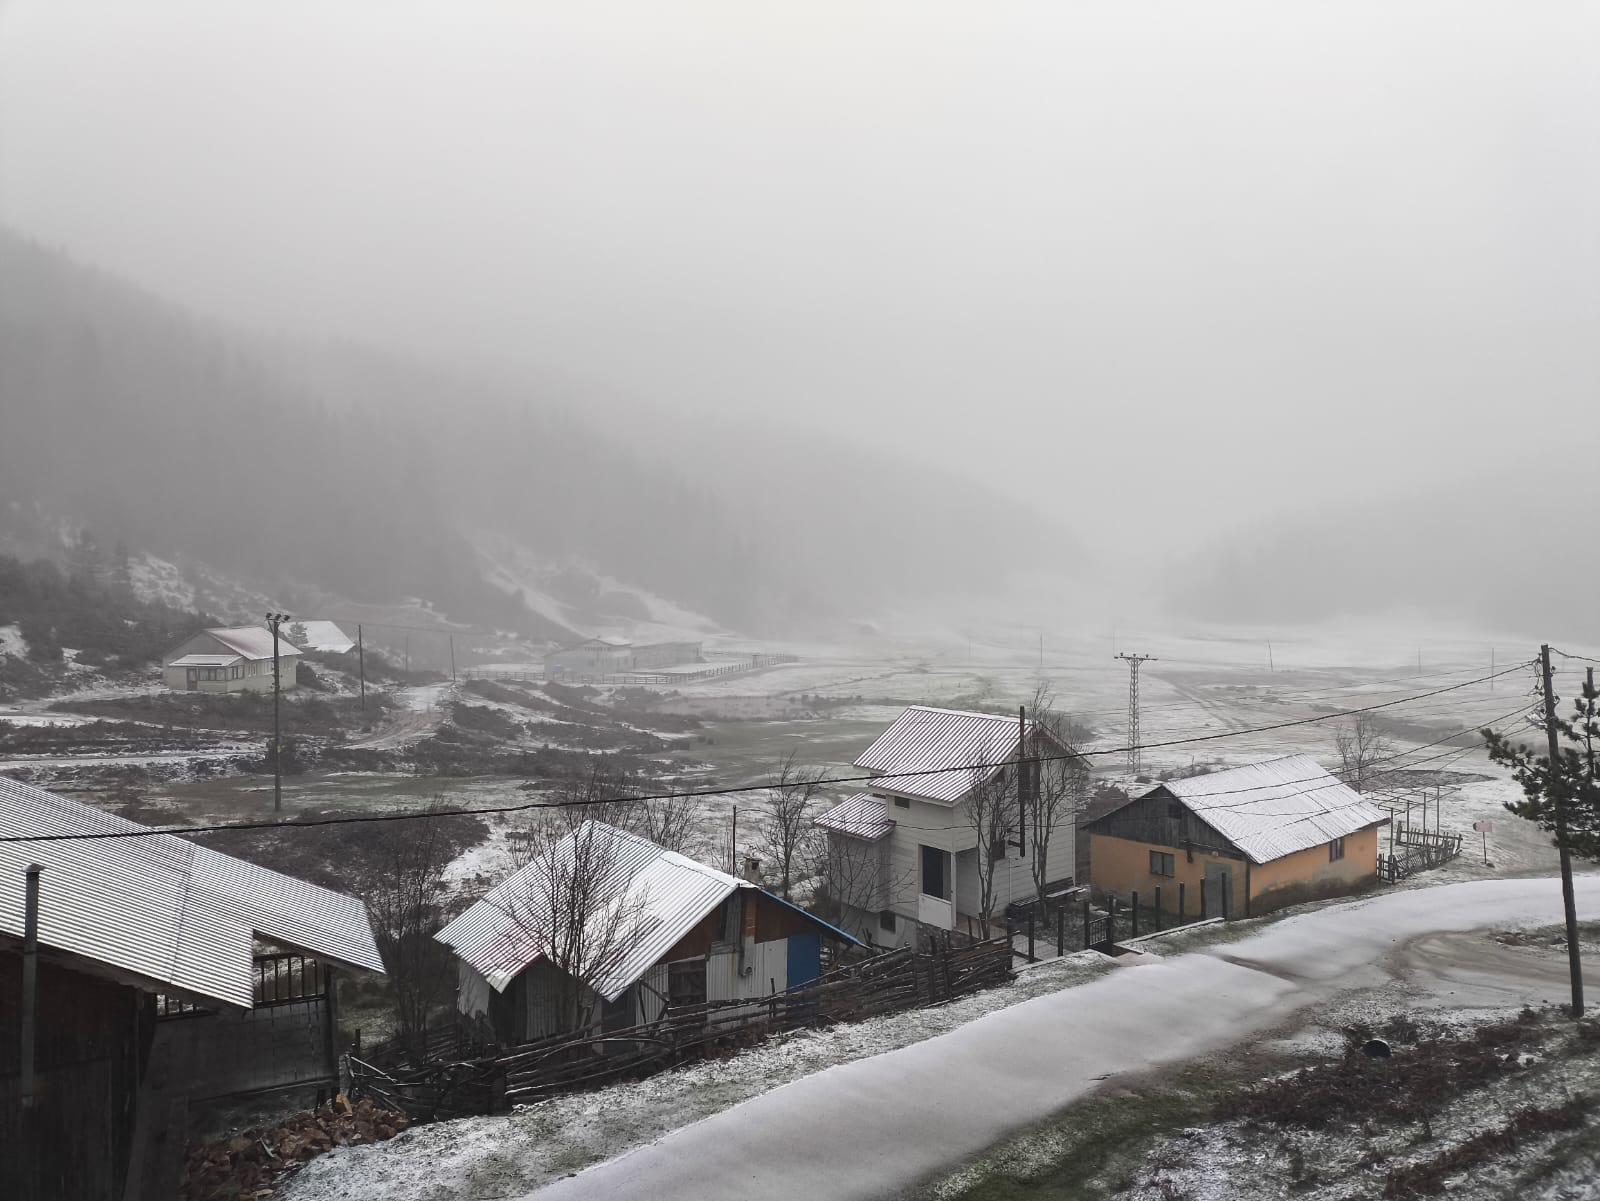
(274,620)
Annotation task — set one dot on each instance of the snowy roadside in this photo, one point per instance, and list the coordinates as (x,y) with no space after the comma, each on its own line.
(512,1154)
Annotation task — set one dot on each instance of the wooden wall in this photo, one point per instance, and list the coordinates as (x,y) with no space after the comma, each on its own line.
(92,1042)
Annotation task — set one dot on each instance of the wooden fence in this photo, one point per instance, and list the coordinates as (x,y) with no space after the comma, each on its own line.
(1416,851)
(904,979)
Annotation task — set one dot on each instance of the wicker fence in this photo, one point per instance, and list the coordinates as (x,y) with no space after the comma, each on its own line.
(450,1085)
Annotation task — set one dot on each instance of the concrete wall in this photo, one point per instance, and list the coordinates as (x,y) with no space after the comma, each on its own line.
(1308,874)
(1121,865)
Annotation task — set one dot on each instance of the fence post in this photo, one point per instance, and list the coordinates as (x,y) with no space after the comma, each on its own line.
(1061,931)
(1135,911)
(1031,957)
(1202,900)
(1011,936)
(1086,943)
(1158,909)
(1111,920)
(1181,916)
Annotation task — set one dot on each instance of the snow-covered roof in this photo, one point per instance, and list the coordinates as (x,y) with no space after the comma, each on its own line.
(861,816)
(658,894)
(253,642)
(206,661)
(324,636)
(1272,809)
(180,916)
(926,740)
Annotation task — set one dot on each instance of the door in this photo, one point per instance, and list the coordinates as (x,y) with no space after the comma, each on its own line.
(193,675)
(805,958)
(1219,890)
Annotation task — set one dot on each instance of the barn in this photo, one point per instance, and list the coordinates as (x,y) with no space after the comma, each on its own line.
(1254,838)
(659,929)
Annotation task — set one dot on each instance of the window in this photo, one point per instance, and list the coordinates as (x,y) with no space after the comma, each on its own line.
(686,983)
(1336,850)
(1162,863)
(886,920)
(936,873)
(900,802)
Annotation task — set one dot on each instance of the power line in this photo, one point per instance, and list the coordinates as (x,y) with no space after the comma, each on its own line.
(881,780)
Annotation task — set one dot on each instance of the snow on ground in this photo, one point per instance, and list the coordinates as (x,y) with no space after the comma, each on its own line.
(987,1073)
(964,1091)
(506,1156)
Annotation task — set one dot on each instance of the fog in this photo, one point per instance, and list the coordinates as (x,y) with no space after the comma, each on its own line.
(1188,283)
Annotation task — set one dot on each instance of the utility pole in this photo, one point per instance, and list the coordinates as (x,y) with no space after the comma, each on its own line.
(1133,710)
(452,658)
(1270,665)
(361,662)
(733,845)
(27,1143)
(274,620)
(1561,832)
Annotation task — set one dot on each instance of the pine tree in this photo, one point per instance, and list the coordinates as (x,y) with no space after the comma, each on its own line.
(1573,779)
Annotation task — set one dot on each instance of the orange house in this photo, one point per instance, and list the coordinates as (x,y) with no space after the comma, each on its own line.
(1239,842)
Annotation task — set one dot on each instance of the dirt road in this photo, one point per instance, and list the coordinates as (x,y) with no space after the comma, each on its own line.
(423,708)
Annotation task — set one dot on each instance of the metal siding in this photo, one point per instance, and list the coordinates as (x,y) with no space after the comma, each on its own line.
(769,967)
(161,907)
(1272,809)
(723,982)
(804,961)
(653,994)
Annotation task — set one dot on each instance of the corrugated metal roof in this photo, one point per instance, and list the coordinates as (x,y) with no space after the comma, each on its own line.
(500,935)
(1272,809)
(325,636)
(161,907)
(862,816)
(253,642)
(206,661)
(924,739)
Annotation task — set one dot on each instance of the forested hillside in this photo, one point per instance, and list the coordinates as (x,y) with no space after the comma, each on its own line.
(368,475)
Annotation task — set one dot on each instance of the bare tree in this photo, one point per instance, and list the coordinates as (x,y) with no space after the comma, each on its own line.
(991,811)
(575,903)
(782,829)
(401,878)
(1362,746)
(853,877)
(1057,786)
(671,822)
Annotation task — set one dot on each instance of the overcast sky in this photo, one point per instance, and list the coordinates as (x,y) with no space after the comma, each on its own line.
(1219,258)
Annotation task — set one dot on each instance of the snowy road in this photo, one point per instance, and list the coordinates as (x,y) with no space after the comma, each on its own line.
(876,1126)
(421,711)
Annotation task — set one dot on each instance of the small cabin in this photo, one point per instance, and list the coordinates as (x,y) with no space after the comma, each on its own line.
(1239,842)
(662,931)
(232,659)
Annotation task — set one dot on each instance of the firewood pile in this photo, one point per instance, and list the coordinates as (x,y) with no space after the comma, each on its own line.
(251,1165)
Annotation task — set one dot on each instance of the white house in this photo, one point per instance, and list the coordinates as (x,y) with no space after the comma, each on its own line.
(235,659)
(660,929)
(904,854)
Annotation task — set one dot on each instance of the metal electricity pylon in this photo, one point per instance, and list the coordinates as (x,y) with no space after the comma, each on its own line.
(1133,710)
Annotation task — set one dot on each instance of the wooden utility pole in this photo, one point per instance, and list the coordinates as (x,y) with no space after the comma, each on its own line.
(1559,801)
(1022,779)
(274,620)
(452,658)
(26,1142)
(361,664)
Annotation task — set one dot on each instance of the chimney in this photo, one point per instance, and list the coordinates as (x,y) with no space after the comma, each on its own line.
(752,869)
